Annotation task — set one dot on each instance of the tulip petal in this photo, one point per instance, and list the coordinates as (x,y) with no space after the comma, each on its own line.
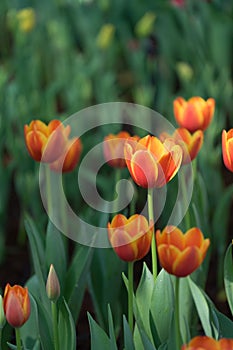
(204,342)
(118,221)
(171,235)
(144,169)
(167,255)
(35,142)
(187,262)
(226,344)
(193,237)
(226,151)
(169,165)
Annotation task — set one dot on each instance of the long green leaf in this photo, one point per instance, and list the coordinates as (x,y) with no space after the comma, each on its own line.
(66,327)
(128,337)
(228,276)
(99,339)
(111,329)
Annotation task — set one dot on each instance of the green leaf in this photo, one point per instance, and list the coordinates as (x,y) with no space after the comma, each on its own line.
(128,337)
(225,325)
(55,252)
(144,292)
(66,327)
(162,304)
(76,279)
(228,276)
(111,329)
(202,307)
(99,339)
(30,330)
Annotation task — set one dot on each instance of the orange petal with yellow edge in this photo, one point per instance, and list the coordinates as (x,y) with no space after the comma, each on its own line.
(187,262)
(167,256)
(144,169)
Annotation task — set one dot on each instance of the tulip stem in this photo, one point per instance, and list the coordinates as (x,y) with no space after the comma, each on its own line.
(18,339)
(48,190)
(116,201)
(55,328)
(153,242)
(177,314)
(187,219)
(130,294)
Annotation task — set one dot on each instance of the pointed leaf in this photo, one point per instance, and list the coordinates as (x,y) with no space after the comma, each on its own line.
(99,339)
(228,276)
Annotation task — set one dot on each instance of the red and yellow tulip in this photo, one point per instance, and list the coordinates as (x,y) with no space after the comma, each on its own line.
(207,343)
(70,158)
(181,254)
(114,148)
(190,143)
(227,148)
(152,163)
(46,143)
(194,114)
(16,304)
(130,238)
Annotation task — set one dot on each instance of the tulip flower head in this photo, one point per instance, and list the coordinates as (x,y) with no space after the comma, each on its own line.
(114,148)
(152,163)
(194,114)
(46,143)
(189,143)
(16,304)
(52,285)
(130,238)
(227,148)
(207,343)
(70,157)
(181,254)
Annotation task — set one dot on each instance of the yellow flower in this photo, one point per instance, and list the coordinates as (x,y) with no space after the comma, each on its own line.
(26,19)
(144,26)
(105,36)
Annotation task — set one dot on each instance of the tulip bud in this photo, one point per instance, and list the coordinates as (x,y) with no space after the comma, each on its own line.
(16,304)
(52,285)
(2,315)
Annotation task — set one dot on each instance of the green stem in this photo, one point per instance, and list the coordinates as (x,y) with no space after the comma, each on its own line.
(153,242)
(18,340)
(187,218)
(130,294)
(48,189)
(116,201)
(55,328)
(177,314)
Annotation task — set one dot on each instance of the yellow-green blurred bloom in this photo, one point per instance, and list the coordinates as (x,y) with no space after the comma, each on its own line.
(26,19)
(144,26)
(105,36)
(184,70)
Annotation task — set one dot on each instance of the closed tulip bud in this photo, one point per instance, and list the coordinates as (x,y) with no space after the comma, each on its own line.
(105,36)
(2,314)
(189,143)
(70,158)
(16,303)
(227,148)
(113,148)
(52,285)
(46,143)
(145,25)
(194,114)
(152,163)
(181,254)
(130,238)
(26,19)
(207,343)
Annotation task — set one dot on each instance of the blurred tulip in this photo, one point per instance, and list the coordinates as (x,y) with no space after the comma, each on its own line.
(190,143)
(105,36)
(152,163)
(130,238)
(227,148)
(178,3)
(52,285)
(26,19)
(46,143)
(145,25)
(114,148)
(181,254)
(207,343)
(194,114)
(184,71)
(69,159)
(16,305)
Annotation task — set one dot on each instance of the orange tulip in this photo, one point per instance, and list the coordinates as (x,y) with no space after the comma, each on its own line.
(130,238)
(190,143)
(69,159)
(46,142)
(152,163)
(194,114)
(114,148)
(16,304)
(207,343)
(181,254)
(227,148)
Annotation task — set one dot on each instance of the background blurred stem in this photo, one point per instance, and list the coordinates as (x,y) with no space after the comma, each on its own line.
(55,329)
(153,243)
(48,190)
(187,219)
(116,201)
(18,340)
(130,294)
(177,314)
